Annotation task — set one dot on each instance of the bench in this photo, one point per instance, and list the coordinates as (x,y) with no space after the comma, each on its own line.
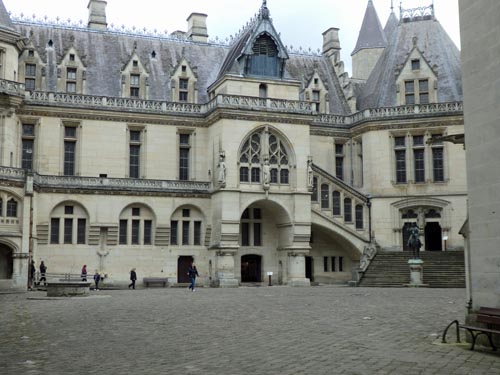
(155,280)
(489,317)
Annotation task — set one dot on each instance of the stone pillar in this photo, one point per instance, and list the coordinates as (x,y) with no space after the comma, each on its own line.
(97,15)
(20,271)
(297,269)
(225,269)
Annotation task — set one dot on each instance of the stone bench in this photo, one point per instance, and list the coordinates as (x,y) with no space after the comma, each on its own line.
(68,289)
(147,281)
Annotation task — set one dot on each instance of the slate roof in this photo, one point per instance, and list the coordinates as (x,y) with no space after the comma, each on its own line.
(437,48)
(391,25)
(371,34)
(5,21)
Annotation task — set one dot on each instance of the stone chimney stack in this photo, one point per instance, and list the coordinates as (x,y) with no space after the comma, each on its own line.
(197,27)
(331,44)
(97,15)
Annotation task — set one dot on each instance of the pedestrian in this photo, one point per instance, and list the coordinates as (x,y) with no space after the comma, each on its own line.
(192,273)
(32,280)
(133,277)
(43,270)
(97,278)
(84,272)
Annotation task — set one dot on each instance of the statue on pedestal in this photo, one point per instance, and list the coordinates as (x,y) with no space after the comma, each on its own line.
(222,169)
(310,176)
(266,173)
(414,242)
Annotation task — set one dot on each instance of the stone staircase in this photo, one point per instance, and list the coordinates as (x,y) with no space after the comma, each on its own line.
(441,269)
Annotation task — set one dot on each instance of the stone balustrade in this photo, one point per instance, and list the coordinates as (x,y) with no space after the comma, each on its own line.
(11,87)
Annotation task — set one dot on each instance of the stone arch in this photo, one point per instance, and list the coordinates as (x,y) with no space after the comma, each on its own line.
(188,226)
(6,260)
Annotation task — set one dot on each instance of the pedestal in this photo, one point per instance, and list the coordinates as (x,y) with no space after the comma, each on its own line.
(297,269)
(416,273)
(225,270)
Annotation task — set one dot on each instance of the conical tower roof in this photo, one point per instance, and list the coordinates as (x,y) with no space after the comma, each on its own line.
(371,34)
(5,21)
(390,26)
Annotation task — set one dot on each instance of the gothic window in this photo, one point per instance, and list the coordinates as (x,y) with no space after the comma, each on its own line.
(135,144)
(325,196)
(184,156)
(264,61)
(347,210)
(28,140)
(70,141)
(339,161)
(400,154)
(336,203)
(359,216)
(251,227)
(136,226)
(72,219)
(12,208)
(259,144)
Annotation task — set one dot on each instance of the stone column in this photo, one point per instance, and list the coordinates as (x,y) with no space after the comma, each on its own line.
(297,269)
(20,271)
(225,269)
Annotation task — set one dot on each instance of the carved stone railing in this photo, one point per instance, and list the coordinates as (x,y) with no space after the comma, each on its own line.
(340,184)
(12,173)
(11,87)
(241,102)
(104,183)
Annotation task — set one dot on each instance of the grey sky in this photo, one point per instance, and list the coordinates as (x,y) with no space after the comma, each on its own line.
(300,23)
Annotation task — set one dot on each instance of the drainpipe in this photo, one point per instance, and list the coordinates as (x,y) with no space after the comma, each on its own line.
(369,204)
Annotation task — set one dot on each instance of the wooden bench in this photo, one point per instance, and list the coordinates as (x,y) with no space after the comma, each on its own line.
(489,317)
(155,280)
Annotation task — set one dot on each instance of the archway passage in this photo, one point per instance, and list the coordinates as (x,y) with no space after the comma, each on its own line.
(433,237)
(251,266)
(183,264)
(309,268)
(6,263)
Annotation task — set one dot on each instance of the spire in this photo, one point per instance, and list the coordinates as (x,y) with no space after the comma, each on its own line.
(5,21)
(391,24)
(371,34)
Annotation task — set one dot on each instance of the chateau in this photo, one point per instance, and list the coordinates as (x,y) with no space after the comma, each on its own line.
(124,150)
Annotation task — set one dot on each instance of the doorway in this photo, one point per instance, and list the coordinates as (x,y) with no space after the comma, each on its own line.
(309,268)
(433,237)
(183,264)
(6,263)
(251,268)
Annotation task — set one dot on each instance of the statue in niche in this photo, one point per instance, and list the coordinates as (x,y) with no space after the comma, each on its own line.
(421,218)
(222,169)
(310,176)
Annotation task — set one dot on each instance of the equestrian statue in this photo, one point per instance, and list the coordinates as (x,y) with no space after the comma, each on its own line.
(414,242)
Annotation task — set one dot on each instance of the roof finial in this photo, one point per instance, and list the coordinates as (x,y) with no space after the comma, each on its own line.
(392,6)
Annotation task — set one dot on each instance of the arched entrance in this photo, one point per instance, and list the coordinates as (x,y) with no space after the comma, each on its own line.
(433,237)
(6,263)
(251,266)
(310,268)
(183,264)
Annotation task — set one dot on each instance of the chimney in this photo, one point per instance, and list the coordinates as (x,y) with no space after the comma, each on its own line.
(97,15)
(197,27)
(331,43)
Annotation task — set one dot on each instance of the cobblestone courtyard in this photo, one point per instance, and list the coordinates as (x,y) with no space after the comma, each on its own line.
(266,330)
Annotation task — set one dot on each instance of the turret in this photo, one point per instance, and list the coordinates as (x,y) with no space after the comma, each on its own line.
(370,45)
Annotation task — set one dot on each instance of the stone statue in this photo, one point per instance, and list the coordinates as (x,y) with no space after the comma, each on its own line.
(414,242)
(310,177)
(266,172)
(222,169)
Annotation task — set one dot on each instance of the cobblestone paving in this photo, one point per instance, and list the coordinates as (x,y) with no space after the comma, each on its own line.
(266,330)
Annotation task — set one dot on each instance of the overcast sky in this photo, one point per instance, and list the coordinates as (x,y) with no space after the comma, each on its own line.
(301,23)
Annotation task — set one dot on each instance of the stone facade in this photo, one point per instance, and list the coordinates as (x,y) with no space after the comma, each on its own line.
(481,132)
(244,158)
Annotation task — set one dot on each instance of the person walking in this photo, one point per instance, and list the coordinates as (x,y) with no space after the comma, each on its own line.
(97,278)
(192,273)
(133,278)
(84,272)
(43,270)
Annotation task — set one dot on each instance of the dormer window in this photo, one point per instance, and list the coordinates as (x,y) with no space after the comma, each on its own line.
(51,43)
(316,81)
(135,80)
(264,61)
(423,91)
(71,80)
(30,77)
(135,64)
(415,64)
(71,57)
(184,69)
(183,89)
(31,53)
(409,92)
